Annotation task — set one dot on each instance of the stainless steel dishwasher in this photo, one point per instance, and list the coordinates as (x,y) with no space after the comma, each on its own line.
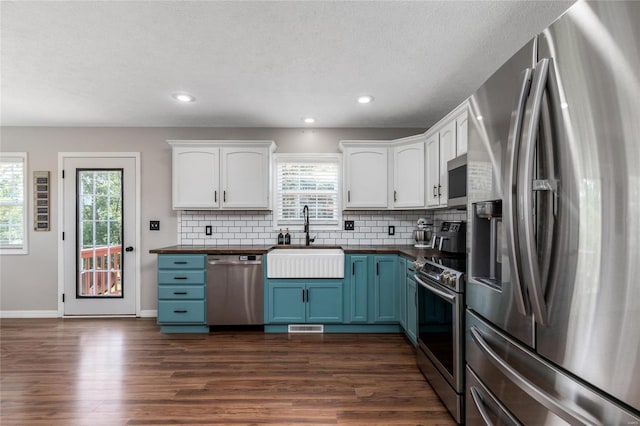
(234,290)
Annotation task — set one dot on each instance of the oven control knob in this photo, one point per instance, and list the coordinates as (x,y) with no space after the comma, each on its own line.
(443,278)
(452,280)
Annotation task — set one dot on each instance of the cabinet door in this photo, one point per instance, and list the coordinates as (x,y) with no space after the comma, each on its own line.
(324,302)
(447,152)
(412,321)
(286,302)
(245,178)
(385,294)
(433,169)
(365,184)
(358,292)
(462,133)
(402,303)
(195,177)
(408,175)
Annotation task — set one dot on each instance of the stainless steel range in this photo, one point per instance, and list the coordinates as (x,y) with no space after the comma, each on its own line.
(440,354)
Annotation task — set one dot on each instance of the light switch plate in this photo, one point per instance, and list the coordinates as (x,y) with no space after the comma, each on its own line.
(207,230)
(349,225)
(392,230)
(154,225)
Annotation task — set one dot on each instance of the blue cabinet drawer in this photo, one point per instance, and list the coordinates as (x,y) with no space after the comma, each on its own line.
(181,277)
(179,292)
(181,311)
(182,261)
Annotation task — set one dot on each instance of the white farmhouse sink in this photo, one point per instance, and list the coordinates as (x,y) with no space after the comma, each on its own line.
(305,263)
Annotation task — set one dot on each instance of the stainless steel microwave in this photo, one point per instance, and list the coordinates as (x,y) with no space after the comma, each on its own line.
(457,172)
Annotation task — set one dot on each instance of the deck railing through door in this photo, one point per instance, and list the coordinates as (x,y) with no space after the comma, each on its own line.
(100,272)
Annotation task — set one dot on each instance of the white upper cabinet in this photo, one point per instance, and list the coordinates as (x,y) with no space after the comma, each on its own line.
(408,173)
(365,175)
(433,170)
(209,175)
(446,140)
(447,152)
(462,133)
(196,177)
(245,177)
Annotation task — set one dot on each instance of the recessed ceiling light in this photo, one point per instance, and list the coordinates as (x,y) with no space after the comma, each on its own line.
(183,97)
(309,120)
(365,99)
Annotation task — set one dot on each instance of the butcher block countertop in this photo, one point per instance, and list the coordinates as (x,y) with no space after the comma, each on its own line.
(406,250)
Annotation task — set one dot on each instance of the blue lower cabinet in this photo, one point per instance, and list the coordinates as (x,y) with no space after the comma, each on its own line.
(402,288)
(357,288)
(182,305)
(412,308)
(286,302)
(386,289)
(296,302)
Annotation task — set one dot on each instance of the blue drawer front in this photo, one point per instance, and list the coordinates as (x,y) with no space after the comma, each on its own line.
(181,277)
(181,311)
(182,261)
(179,292)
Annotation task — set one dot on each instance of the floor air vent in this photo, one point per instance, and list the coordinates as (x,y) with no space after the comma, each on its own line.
(306,328)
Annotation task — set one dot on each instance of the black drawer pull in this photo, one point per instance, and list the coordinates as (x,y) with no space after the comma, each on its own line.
(182,262)
(179,292)
(179,312)
(179,278)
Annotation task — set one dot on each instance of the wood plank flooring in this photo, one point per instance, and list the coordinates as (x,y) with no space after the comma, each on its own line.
(125,372)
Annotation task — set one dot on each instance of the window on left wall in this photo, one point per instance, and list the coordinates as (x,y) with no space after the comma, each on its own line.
(13,203)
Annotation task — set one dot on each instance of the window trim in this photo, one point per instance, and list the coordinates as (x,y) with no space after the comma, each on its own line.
(297,225)
(25,212)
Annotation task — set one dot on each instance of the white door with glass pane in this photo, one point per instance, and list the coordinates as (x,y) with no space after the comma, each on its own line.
(99,235)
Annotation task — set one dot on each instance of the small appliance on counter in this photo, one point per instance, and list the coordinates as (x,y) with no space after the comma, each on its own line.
(422,234)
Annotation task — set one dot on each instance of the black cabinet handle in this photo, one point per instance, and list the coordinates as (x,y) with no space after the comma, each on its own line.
(307,296)
(179,292)
(302,295)
(181,262)
(349,196)
(224,195)
(353,268)
(179,278)
(180,312)
(395,196)
(215,196)
(377,268)
(129,249)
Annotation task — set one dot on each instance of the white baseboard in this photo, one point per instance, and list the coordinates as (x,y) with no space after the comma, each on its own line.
(28,314)
(149,313)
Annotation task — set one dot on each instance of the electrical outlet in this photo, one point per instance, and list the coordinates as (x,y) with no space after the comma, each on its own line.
(207,230)
(349,225)
(392,230)
(154,225)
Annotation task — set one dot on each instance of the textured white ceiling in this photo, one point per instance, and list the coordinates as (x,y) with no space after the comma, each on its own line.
(253,64)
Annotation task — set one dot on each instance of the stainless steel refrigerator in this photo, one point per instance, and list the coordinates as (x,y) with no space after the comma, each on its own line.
(553,286)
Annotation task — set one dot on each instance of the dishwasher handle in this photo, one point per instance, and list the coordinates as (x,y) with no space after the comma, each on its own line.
(235,261)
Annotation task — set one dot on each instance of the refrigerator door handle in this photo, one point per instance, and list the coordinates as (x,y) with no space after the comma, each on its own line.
(553,404)
(530,266)
(515,130)
(477,400)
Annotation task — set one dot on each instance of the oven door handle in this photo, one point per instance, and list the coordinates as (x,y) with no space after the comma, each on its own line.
(441,293)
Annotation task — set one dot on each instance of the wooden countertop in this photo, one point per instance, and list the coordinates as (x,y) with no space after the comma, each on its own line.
(407,251)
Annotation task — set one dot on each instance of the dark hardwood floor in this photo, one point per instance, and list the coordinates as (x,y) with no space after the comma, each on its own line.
(125,372)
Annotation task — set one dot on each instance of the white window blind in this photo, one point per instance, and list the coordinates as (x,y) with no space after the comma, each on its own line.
(313,183)
(13,205)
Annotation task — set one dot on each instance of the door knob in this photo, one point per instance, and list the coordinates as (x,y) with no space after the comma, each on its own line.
(129,249)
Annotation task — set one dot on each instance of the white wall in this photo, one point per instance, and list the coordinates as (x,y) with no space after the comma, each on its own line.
(29,282)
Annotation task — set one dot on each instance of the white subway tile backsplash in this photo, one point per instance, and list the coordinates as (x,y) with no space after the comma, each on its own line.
(256,227)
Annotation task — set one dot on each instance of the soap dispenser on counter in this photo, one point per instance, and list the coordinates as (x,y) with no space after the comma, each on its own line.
(280,238)
(287,238)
